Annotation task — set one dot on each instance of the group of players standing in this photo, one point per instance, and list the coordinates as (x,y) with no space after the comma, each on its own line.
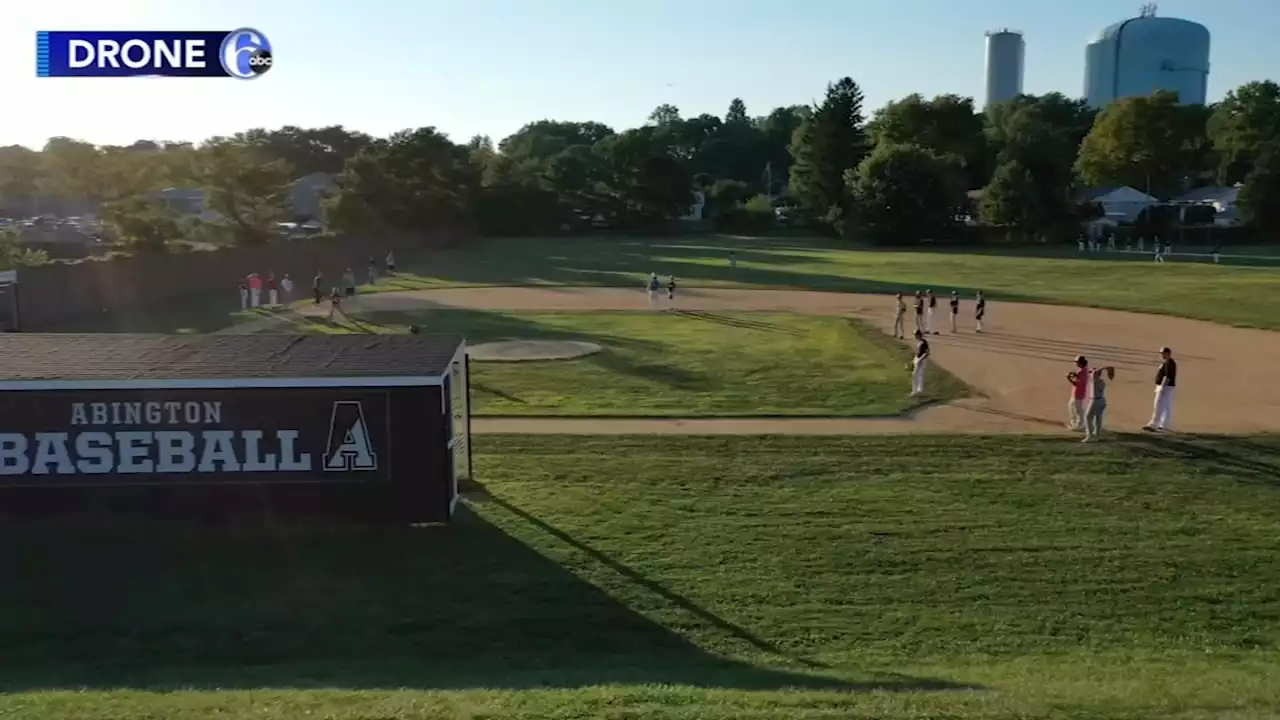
(926,306)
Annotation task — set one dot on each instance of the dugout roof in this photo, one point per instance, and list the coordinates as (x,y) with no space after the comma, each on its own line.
(55,357)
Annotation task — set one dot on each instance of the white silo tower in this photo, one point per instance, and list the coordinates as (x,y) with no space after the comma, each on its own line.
(1006,54)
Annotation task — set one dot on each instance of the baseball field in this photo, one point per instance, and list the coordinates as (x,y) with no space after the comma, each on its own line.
(732,509)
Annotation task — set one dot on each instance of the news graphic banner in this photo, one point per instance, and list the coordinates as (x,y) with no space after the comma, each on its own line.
(245,53)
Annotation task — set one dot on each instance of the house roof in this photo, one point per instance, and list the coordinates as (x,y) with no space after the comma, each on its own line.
(1097,193)
(316,180)
(87,357)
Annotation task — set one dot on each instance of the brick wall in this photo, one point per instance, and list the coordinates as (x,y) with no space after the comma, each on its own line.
(52,293)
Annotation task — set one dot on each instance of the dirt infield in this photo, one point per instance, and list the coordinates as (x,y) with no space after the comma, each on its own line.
(1018,365)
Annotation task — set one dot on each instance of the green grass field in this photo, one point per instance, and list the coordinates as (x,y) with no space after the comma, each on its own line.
(713,578)
(1228,294)
(681,364)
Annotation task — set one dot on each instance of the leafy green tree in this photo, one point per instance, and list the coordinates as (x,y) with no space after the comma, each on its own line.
(142,223)
(306,150)
(247,189)
(727,194)
(906,193)
(1240,126)
(13,255)
(129,172)
(484,156)
(1042,135)
(512,206)
(72,170)
(690,140)
(828,144)
(752,216)
(348,211)
(1063,120)
(647,185)
(665,114)
(20,180)
(416,181)
(1013,199)
(540,141)
(776,132)
(1150,143)
(947,125)
(1259,199)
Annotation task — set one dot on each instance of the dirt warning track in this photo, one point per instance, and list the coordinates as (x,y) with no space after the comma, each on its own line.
(1227,381)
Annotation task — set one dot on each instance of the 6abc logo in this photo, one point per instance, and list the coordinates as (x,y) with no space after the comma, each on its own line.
(245,54)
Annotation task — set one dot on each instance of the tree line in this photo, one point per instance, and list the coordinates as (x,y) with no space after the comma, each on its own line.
(902,174)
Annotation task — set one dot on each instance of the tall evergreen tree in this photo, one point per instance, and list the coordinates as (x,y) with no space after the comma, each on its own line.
(829,143)
(737,112)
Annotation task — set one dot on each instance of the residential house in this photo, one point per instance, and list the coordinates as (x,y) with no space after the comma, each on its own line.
(1120,203)
(306,198)
(308,192)
(188,202)
(696,211)
(1223,199)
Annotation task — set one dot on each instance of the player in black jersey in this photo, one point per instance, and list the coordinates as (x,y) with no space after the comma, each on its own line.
(918,363)
(979,309)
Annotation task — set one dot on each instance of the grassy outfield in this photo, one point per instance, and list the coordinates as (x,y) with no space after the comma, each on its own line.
(1232,295)
(681,364)
(681,578)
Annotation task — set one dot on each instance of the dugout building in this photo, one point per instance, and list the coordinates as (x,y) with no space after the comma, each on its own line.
(369,428)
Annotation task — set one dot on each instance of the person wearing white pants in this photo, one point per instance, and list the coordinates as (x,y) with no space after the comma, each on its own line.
(1166,386)
(1079,381)
(929,327)
(899,316)
(919,363)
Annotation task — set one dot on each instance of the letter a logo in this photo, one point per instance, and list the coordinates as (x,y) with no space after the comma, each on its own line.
(349,447)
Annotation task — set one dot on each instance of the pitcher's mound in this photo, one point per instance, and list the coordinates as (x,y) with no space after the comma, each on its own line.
(529,350)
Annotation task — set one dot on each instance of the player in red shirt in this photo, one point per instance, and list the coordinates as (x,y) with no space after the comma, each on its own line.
(1079,380)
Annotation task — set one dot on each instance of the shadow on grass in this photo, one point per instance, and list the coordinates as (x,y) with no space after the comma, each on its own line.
(744,323)
(622,354)
(467,606)
(613,262)
(1253,459)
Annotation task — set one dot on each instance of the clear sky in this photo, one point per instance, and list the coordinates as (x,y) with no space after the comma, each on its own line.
(489,66)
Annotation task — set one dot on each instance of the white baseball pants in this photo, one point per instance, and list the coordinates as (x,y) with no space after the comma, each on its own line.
(1162,413)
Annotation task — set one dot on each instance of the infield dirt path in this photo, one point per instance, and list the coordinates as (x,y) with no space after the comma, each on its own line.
(1227,380)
